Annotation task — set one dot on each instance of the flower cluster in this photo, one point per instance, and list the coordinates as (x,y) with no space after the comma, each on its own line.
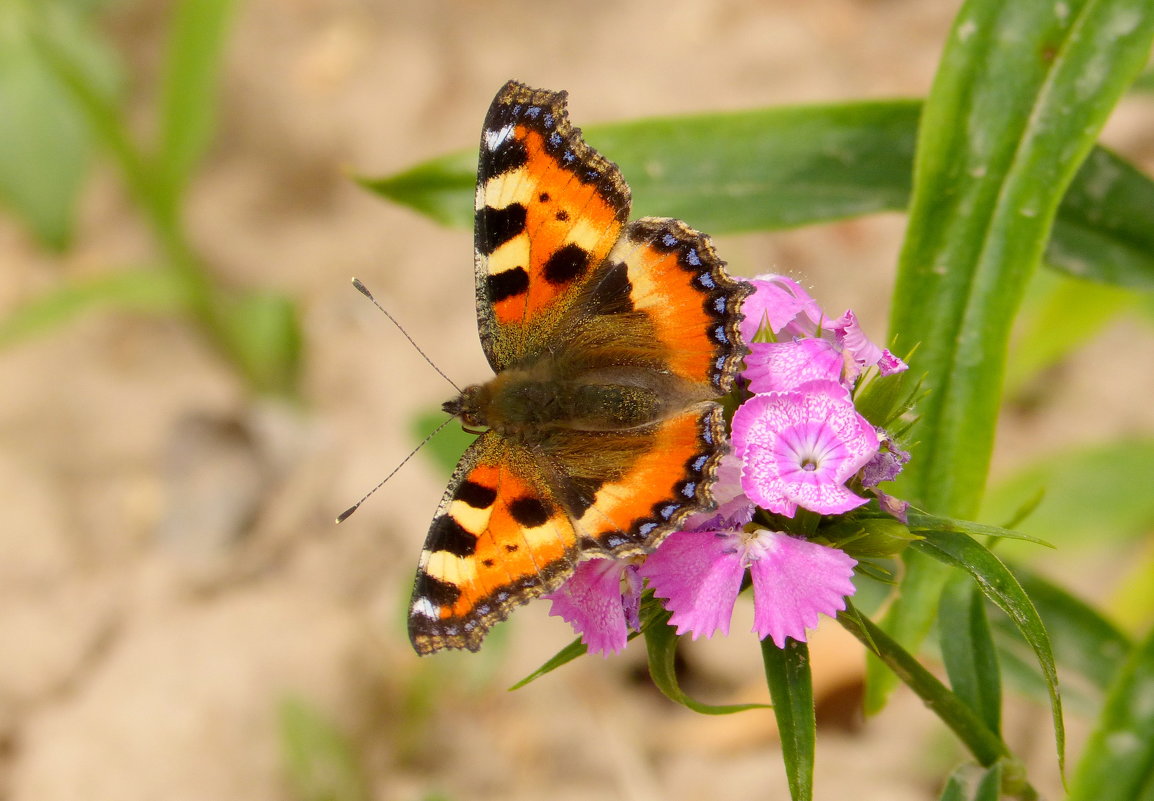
(797,442)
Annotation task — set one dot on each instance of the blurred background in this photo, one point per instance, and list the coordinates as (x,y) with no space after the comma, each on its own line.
(190,391)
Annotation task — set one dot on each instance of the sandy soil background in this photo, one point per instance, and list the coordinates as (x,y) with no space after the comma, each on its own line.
(170,571)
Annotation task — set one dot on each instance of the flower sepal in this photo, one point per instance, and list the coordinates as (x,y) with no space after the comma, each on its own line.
(868,537)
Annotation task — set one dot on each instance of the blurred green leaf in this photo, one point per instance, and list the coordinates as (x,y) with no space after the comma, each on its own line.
(974,783)
(1061,316)
(1088,648)
(1092,494)
(1105,225)
(968,650)
(1145,81)
(784,167)
(790,684)
(998,584)
(320,761)
(263,335)
(146,290)
(1118,763)
(188,91)
(1021,93)
(447,446)
(46,142)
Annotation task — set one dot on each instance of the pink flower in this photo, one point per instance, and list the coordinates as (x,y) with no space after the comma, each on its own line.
(784,305)
(733,509)
(781,366)
(699,573)
(792,314)
(602,602)
(885,465)
(798,448)
(861,354)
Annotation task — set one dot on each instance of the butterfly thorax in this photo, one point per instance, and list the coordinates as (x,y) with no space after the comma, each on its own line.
(526,403)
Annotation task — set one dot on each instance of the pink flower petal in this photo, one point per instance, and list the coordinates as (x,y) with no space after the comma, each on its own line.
(793,582)
(592,602)
(800,447)
(893,506)
(733,510)
(699,574)
(861,352)
(783,304)
(889,364)
(782,366)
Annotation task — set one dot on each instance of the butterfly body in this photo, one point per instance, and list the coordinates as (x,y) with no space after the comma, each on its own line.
(610,342)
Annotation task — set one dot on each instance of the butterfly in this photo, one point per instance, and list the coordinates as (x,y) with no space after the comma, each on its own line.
(610,341)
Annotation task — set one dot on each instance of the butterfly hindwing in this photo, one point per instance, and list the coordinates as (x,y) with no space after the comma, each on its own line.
(675,277)
(498,538)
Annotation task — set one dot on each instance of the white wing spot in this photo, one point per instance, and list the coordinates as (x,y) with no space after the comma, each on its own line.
(494,139)
(425,608)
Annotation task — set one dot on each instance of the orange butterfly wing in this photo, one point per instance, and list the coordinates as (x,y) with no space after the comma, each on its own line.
(571,297)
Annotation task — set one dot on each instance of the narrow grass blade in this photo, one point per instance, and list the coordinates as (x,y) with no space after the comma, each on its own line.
(968,650)
(188,91)
(998,584)
(974,783)
(986,747)
(791,688)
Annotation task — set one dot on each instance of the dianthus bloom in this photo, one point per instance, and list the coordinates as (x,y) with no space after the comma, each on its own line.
(797,442)
(798,448)
(790,315)
(602,602)
(699,575)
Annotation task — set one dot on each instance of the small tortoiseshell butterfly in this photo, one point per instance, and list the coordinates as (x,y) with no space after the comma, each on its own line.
(610,341)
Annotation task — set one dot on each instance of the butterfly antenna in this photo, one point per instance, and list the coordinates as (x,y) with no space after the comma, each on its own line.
(364,290)
(347,513)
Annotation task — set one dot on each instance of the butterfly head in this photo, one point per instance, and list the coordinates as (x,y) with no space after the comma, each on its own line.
(468,406)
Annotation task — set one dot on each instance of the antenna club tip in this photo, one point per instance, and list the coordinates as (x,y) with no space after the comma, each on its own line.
(346,514)
(360,287)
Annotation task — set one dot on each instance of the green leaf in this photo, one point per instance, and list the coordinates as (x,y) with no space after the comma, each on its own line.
(188,90)
(446,447)
(921,521)
(1060,317)
(1105,227)
(1021,93)
(968,650)
(319,760)
(974,783)
(661,645)
(739,171)
(566,655)
(262,334)
(147,290)
(1087,647)
(1104,231)
(1092,494)
(46,143)
(790,684)
(1118,763)
(985,745)
(998,584)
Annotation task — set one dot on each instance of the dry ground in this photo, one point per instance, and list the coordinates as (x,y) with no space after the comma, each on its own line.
(170,571)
